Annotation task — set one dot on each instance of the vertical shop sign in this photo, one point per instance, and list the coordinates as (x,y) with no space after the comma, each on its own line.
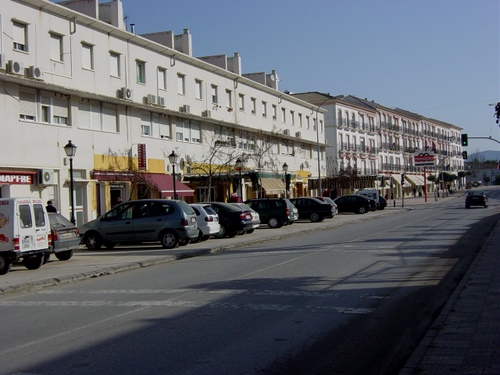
(141,153)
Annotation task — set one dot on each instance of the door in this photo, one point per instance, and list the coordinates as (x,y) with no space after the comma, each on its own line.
(117,225)
(149,218)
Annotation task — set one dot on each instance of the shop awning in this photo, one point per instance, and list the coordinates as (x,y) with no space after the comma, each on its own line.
(273,185)
(414,180)
(165,184)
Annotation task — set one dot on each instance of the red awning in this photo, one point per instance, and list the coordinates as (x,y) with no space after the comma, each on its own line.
(165,183)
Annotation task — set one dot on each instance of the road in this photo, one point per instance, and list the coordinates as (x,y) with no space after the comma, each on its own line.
(354,299)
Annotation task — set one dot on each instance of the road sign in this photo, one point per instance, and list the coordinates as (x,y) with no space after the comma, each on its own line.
(424,158)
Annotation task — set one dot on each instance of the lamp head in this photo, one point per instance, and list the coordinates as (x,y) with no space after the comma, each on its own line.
(173,158)
(70,149)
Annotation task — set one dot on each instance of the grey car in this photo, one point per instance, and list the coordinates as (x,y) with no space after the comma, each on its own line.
(171,222)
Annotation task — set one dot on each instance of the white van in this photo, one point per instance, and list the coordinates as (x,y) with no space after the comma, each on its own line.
(24,233)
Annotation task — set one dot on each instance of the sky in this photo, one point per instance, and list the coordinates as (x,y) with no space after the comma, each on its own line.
(437,58)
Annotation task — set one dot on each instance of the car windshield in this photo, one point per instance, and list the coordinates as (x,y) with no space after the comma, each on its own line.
(57,220)
(471,193)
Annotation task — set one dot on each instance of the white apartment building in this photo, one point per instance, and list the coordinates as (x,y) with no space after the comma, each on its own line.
(72,71)
(374,146)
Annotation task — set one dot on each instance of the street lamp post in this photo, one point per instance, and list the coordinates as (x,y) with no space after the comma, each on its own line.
(70,150)
(173,160)
(238,166)
(285,169)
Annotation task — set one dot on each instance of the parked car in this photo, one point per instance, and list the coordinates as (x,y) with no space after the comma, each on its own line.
(232,219)
(372,194)
(65,237)
(352,203)
(382,202)
(208,221)
(172,222)
(476,198)
(312,208)
(275,212)
(330,201)
(255,216)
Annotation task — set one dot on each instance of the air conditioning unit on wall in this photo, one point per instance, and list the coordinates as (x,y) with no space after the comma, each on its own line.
(160,100)
(185,108)
(286,132)
(46,177)
(36,72)
(206,113)
(15,67)
(151,99)
(126,93)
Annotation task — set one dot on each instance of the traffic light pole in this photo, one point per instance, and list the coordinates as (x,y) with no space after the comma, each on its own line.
(490,138)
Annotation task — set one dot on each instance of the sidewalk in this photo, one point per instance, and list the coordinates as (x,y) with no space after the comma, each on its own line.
(465,338)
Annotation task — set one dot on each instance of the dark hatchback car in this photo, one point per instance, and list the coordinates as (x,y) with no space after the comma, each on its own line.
(232,219)
(329,200)
(382,203)
(65,237)
(476,198)
(312,208)
(171,222)
(353,203)
(275,212)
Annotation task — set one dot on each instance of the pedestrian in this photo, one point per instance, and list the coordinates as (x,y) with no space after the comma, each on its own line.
(414,192)
(118,200)
(50,207)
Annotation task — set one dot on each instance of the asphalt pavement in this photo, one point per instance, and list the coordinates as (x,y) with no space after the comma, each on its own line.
(464,339)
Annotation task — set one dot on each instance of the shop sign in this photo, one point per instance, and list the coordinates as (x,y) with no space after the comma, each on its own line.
(16,178)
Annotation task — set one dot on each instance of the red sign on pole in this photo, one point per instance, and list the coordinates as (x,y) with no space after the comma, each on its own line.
(424,158)
(141,154)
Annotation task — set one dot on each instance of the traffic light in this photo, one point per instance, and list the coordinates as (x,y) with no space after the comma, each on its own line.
(464,155)
(402,179)
(465,140)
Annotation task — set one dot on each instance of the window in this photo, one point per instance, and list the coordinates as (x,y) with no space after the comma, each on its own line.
(283,115)
(241,102)
(146,124)
(229,99)
(140,69)
(181,84)
(54,110)
(114,64)
(308,122)
(188,131)
(215,98)
(56,47)
(27,105)
(19,36)
(198,88)
(300,119)
(292,118)
(275,112)
(97,116)
(264,109)
(162,78)
(253,103)
(87,56)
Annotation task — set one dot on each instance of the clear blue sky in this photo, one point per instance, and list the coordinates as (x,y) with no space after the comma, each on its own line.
(438,58)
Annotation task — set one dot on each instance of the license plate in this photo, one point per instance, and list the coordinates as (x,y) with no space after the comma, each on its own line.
(67,235)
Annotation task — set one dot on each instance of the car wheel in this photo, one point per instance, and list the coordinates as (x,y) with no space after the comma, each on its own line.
(222,232)
(46,258)
(64,255)
(199,238)
(231,234)
(250,231)
(93,241)
(5,264)
(185,242)
(33,262)
(361,210)
(274,223)
(315,217)
(467,206)
(205,238)
(169,240)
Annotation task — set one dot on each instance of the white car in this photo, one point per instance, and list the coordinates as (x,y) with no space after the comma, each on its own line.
(208,221)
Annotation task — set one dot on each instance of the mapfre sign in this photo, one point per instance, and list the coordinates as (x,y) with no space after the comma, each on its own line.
(424,158)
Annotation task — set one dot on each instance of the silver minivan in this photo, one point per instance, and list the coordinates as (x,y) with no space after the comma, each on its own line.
(172,222)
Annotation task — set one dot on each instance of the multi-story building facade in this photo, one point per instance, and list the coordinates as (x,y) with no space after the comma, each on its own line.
(72,71)
(367,139)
